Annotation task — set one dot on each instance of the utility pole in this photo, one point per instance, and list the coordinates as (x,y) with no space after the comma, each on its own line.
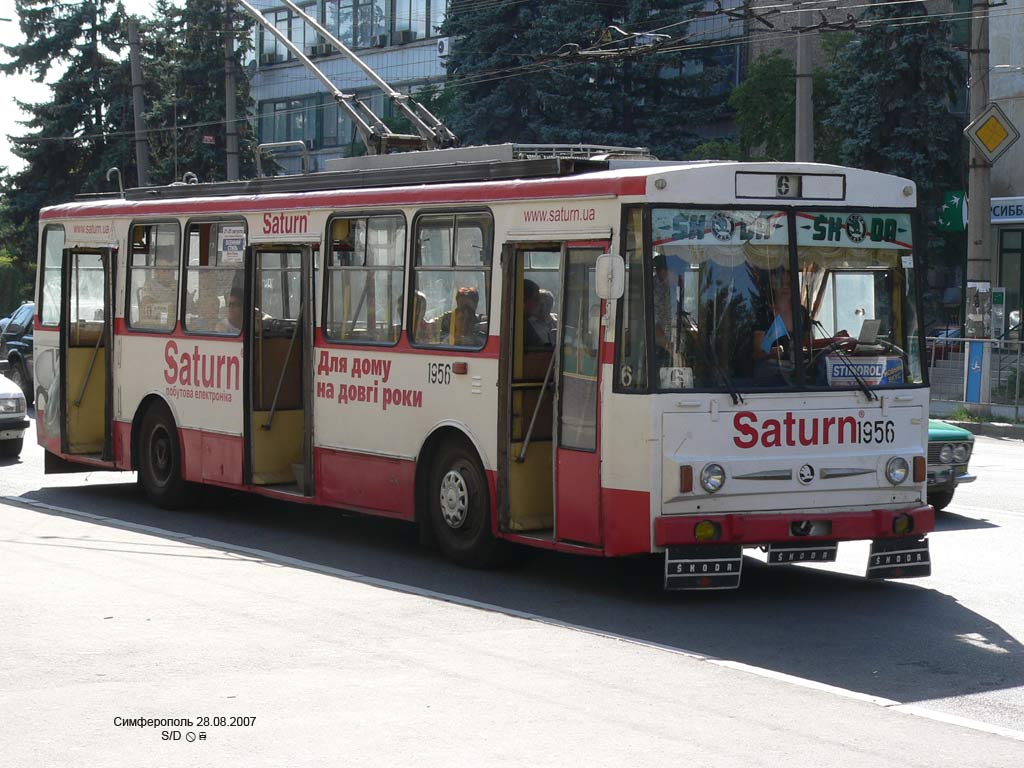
(804,94)
(230,89)
(979,182)
(138,106)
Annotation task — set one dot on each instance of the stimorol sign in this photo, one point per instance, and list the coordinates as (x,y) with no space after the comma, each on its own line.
(992,133)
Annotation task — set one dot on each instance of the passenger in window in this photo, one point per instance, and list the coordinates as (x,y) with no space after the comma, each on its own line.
(461,327)
(235,303)
(206,310)
(158,297)
(536,331)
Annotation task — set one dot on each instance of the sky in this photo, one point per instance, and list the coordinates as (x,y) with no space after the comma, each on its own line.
(23,87)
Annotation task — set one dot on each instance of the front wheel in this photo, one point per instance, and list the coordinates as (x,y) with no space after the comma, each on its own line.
(11,449)
(460,507)
(16,373)
(160,460)
(940,499)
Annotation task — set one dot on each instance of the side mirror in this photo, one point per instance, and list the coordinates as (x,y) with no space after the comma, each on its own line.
(610,276)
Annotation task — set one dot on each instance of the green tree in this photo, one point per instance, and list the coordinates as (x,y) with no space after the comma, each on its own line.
(184,72)
(72,140)
(505,90)
(894,85)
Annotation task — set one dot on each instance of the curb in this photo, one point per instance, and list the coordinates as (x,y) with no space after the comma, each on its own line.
(991,429)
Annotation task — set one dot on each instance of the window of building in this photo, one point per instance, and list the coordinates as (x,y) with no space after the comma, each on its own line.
(365,279)
(214,277)
(292,26)
(153,266)
(289,119)
(451,278)
(421,17)
(49,289)
(357,23)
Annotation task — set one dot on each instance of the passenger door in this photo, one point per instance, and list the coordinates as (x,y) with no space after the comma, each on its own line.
(86,317)
(577,407)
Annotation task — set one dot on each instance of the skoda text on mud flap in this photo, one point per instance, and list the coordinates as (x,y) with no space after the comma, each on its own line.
(438,349)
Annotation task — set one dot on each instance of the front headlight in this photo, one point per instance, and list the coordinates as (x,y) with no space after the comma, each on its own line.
(897,470)
(712,478)
(962,452)
(12,404)
(946,454)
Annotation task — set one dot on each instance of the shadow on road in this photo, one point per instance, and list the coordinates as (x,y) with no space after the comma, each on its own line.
(950,521)
(896,640)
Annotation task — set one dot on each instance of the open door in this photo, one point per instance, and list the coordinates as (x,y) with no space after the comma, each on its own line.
(279,343)
(577,455)
(86,312)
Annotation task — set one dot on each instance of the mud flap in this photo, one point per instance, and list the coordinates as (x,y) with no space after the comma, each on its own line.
(906,558)
(716,566)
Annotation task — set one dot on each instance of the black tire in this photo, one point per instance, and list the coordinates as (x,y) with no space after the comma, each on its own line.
(940,499)
(159,457)
(11,449)
(18,375)
(460,508)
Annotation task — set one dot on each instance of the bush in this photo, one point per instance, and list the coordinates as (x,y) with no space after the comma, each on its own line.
(15,285)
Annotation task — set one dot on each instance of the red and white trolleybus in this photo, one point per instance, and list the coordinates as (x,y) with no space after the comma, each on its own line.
(600,357)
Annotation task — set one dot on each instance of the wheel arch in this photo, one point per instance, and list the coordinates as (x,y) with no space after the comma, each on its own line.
(152,400)
(442,433)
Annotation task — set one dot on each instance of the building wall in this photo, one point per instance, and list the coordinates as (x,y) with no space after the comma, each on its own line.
(398,39)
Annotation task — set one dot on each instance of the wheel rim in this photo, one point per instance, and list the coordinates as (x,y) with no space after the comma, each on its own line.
(160,456)
(15,376)
(454,497)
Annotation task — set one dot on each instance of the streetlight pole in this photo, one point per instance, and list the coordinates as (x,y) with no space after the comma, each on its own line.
(804,144)
(979,182)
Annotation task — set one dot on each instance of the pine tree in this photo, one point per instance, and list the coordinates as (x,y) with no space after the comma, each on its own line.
(184,72)
(72,140)
(508,88)
(894,85)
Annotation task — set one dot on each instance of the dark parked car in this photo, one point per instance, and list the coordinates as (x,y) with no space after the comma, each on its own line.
(16,348)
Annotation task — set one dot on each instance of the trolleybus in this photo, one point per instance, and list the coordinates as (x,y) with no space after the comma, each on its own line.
(602,357)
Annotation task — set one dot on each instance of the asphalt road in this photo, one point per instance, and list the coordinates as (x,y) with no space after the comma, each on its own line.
(496,686)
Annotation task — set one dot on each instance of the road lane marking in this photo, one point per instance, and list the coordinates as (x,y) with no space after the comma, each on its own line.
(915,710)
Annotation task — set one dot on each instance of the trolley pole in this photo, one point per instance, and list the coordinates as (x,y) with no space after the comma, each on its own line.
(979,183)
(230,90)
(138,105)
(804,94)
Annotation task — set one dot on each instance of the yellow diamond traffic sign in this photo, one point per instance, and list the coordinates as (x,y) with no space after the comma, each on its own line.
(992,133)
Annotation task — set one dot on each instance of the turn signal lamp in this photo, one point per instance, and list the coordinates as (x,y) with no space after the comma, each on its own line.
(902,524)
(920,469)
(686,479)
(707,530)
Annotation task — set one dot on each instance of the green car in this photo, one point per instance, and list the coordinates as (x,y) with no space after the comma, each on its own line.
(949,451)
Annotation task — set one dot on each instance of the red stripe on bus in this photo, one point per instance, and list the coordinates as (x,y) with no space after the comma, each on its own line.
(424,195)
(490,350)
(762,529)
(376,484)
(626,521)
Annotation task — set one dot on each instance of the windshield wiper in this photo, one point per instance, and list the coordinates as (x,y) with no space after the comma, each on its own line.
(712,359)
(835,347)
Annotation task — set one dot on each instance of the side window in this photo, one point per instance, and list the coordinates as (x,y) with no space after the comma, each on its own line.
(450,280)
(214,277)
(49,289)
(153,266)
(631,341)
(365,268)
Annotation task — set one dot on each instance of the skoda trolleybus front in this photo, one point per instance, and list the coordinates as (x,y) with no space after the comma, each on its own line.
(768,349)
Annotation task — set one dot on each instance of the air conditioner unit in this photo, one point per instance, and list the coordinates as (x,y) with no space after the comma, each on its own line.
(269,58)
(404,36)
(321,49)
(380,41)
(442,47)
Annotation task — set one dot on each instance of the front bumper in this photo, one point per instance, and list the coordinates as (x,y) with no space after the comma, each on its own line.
(13,429)
(766,528)
(948,476)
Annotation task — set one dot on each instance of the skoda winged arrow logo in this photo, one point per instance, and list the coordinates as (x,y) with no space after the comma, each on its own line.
(806,474)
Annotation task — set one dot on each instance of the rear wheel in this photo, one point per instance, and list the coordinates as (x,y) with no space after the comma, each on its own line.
(460,508)
(160,460)
(940,499)
(11,449)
